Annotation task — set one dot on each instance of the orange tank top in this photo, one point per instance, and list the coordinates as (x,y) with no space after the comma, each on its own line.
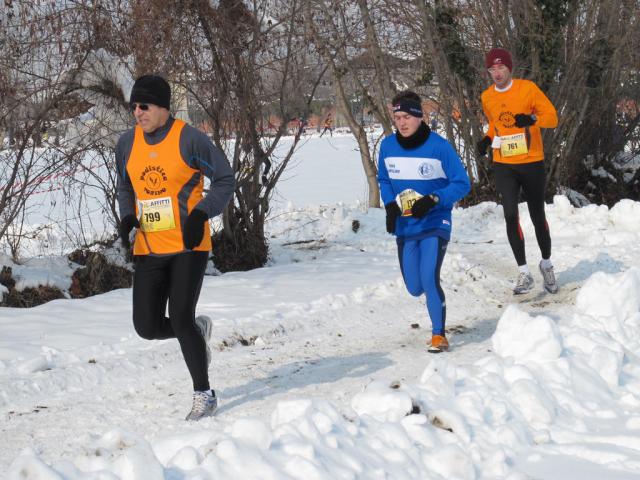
(166,189)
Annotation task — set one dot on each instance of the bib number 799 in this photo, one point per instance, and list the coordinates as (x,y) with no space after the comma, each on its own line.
(152,217)
(157,214)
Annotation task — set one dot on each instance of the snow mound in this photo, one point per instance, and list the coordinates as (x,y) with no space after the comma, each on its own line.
(382,402)
(524,337)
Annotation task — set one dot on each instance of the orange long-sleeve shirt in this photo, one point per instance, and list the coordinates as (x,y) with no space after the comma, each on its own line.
(500,108)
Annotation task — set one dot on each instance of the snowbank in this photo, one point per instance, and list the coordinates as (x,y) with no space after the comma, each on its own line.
(548,384)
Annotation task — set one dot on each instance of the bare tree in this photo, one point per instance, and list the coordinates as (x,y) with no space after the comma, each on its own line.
(42,47)
(237,65)
(349,38)
(580,53)
(241,64)
(249,71)
(65,76)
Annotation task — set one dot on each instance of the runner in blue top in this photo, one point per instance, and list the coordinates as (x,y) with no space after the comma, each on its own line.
(420,177)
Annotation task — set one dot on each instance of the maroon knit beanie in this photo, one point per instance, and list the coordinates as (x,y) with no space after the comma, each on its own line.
(498,56)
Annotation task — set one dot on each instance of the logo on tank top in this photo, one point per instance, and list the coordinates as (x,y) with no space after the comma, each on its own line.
(426,170)
(153,177)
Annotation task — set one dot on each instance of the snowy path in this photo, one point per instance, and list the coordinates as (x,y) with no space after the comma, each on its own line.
(324,324)
(329,345)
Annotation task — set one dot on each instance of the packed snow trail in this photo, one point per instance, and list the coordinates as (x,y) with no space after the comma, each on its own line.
(328,347)
(327,320)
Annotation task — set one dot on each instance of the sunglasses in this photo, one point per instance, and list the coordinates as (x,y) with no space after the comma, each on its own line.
(142,106)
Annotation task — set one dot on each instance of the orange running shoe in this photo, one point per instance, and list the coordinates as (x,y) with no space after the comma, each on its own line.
(438,344)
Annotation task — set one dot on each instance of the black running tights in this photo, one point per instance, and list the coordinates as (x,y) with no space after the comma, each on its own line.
(175,279)
(530,177)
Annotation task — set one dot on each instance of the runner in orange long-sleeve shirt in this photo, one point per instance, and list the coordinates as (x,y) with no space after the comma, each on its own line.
(516,110)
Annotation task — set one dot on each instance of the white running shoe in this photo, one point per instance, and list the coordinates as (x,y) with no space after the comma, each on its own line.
(548,279)
(204,405)
(524,284)
(205,325)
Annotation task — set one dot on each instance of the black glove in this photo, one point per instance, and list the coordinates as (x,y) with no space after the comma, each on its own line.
(393,212)
(524,120)
(194,229)
(422,206)
(126,225)
(483,146)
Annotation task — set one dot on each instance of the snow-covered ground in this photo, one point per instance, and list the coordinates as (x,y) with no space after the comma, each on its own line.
(320,361)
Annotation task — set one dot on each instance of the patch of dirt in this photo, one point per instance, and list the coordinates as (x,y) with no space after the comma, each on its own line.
(97,276)
(31,297)
(308,244)
(28,297)
(246,251)
(458,329)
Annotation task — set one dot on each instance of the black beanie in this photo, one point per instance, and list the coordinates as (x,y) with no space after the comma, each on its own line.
(151,89)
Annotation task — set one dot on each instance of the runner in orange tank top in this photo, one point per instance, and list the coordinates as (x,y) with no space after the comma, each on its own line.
(516,110)
(161,164)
